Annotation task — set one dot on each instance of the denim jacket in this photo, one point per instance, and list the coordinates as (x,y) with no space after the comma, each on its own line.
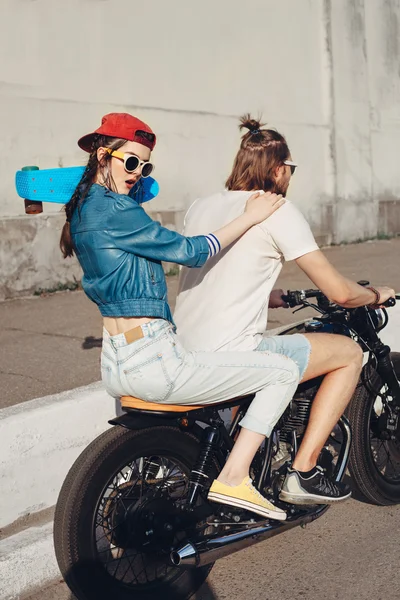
(120,249)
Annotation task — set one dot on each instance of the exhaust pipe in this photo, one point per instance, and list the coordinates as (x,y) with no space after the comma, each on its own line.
(206,551)
(186,556)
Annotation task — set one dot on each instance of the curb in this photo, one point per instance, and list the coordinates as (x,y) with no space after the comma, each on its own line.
(27,560)
(40,441)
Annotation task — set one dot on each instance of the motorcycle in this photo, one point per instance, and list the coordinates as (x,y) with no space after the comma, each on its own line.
(132,519)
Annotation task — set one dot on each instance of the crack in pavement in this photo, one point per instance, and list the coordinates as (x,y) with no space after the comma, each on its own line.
(21,375)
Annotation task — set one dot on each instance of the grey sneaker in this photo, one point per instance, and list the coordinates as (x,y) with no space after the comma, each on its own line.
(316,488)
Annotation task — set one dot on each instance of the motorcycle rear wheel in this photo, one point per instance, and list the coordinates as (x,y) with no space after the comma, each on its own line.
(107,547)
(374,462)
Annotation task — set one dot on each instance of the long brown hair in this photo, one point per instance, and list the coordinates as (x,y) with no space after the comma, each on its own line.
(261,152)
(93,167)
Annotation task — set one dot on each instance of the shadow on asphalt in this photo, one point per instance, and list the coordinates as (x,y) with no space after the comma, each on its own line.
(90,577)
(91,342)
(57,592)
(205,593)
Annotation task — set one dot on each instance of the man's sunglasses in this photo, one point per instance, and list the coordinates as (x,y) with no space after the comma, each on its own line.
(290,164)
(132,162)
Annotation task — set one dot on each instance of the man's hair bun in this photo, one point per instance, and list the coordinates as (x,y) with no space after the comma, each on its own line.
(253,125)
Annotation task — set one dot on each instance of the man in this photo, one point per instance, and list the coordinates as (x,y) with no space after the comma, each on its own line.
(224,305)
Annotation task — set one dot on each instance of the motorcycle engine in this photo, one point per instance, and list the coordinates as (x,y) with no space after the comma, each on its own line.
(295,418)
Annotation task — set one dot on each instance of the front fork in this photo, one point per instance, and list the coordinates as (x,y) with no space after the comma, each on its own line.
(388,375)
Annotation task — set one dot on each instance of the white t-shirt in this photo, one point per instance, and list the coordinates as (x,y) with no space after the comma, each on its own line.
(224,304)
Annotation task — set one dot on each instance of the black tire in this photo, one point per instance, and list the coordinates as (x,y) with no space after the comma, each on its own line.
(372,485)
(79,502)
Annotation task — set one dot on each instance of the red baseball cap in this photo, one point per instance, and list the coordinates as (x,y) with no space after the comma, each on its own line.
(121,125)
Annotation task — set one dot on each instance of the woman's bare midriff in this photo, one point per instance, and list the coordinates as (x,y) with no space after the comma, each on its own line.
(116,325)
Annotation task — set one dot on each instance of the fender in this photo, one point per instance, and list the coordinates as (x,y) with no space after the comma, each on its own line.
(136,420)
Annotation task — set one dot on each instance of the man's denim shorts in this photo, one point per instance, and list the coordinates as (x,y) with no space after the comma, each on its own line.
(296,346)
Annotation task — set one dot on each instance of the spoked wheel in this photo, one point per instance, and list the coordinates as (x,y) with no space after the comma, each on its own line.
(375,457)
(120,512)
(138,520)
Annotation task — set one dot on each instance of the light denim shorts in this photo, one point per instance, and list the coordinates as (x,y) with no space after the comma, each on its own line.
(157,368)
(296,346)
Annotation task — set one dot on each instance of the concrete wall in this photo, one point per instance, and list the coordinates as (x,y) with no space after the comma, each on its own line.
(324,72)
(365,70)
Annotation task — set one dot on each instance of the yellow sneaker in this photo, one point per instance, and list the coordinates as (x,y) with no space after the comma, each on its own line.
(245,496)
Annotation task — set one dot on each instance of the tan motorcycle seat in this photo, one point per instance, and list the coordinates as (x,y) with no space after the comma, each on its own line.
(136,403)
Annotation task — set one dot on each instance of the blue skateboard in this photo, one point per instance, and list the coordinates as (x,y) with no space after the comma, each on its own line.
(58,185)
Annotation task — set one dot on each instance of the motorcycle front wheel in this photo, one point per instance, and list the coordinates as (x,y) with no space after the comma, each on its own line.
(374,460)
(119,514)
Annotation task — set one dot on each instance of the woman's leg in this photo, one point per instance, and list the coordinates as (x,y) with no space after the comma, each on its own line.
(238,464)
(218,376)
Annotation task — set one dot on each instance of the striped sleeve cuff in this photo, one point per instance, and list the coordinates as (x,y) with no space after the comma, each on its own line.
(213,244)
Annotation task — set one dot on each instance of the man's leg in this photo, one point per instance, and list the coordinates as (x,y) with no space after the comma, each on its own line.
(340,359)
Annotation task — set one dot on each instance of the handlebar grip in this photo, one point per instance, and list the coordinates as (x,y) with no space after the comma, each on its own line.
(297,297)
(389,302)
(292,298)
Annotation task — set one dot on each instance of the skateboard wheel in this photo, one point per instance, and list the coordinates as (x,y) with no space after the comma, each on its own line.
(32,207)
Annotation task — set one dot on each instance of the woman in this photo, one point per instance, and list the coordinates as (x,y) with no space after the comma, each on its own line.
(120,249)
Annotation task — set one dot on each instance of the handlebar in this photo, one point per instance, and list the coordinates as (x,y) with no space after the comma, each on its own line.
(298,297)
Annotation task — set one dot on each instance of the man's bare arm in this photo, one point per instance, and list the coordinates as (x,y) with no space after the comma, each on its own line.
(335,286)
